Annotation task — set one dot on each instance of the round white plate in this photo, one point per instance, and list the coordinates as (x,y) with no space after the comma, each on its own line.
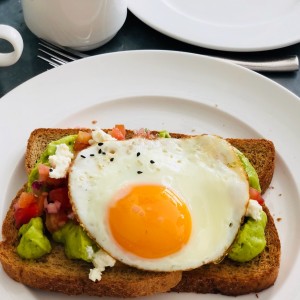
(232,25)
(162,90)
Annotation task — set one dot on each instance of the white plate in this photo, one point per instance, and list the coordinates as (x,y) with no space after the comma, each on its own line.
(162,90)
(232,25)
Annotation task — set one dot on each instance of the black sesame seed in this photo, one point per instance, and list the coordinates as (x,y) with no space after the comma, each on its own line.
(112,159)
(138,154)
(50,170)
(100,144)
(104,153)
(82,156)
(99,151)
(139,172)
(152,161)
(92,154)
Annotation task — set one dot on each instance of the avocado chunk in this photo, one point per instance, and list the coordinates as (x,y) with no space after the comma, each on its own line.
(33,243)
(76,241)
(164,134)
(250,241)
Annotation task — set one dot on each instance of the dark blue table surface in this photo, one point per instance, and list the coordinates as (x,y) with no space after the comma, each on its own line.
(134,35)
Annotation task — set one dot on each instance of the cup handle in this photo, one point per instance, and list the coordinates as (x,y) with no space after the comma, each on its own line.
(12,36)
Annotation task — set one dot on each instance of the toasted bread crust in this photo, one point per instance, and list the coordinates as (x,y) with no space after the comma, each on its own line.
(57,273)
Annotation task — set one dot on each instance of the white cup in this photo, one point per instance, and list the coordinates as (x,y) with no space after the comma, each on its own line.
(11,35)
(79,24)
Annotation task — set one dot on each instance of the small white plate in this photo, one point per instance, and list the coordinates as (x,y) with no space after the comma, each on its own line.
(161,90)
(232,25)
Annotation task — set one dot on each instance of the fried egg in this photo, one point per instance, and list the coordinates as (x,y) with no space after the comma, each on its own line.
(162,205)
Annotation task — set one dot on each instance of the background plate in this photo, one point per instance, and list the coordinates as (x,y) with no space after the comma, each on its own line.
(232,25)
(161,90)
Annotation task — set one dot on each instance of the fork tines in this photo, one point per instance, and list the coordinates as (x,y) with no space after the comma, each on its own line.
(56,55)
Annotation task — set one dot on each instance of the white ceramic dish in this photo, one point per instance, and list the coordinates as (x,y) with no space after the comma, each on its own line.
(162,90)
(232,25)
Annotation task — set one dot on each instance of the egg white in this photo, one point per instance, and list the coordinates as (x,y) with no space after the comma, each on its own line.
(204,170)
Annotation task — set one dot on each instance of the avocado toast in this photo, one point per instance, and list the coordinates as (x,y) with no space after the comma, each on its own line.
(227,277)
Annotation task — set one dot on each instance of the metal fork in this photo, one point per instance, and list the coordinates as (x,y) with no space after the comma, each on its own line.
(57,56)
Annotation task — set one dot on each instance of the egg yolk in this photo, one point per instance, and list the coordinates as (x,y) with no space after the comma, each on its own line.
(150,221)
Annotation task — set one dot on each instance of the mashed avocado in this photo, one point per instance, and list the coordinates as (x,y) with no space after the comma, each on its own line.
(33,243)
(164,134)
(252,175)
(50,150)
(250,240)
(75,240)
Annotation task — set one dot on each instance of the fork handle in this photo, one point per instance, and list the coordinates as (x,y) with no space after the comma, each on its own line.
(288,64)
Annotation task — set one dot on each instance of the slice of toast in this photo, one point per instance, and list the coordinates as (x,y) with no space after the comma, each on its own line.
(57,273)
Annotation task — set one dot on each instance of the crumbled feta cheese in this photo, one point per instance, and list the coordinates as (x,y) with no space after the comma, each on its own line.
(254,210)
(100,260)
(95,274)
(99,136)
(60,161)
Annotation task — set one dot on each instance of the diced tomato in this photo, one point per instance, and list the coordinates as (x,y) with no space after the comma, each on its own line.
(27,207)
(82,140)
(118,132)
(122,129)
(61,195)
(25,200)
(256,195)
(56,221)
(43,172)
